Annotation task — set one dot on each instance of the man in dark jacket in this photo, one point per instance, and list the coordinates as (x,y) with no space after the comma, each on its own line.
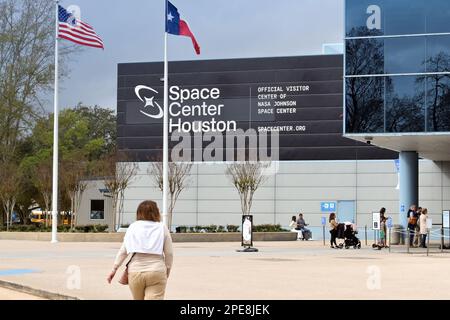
(301,225)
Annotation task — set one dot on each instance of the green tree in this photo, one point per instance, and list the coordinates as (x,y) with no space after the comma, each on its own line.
(86,135)
(26,67)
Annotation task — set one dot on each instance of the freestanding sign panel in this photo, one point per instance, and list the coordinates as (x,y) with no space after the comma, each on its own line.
(446,219)
(429,223)
(375,220)
(247,233)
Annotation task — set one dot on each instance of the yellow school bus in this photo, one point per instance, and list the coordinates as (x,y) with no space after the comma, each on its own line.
(38,217)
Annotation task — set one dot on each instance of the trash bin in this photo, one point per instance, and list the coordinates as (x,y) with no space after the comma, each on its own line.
(397,235)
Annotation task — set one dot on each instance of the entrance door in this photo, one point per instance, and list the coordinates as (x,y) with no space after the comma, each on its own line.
(346,211)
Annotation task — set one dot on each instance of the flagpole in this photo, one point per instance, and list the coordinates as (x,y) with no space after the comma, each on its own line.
(55,137)
(165,127)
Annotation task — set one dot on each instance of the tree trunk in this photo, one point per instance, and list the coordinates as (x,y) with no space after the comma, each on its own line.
(113,216)
(72,213)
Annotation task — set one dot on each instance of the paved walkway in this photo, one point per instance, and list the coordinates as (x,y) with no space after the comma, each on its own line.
(281,270)
(6,294)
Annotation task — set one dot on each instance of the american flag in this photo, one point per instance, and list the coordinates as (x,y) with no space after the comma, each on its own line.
(72,29)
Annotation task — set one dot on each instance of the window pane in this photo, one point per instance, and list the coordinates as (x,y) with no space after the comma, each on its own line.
(357,17)
(97,210)
(404,55)
(397,17)
(438,16)
(364,56)
(404,17)
(364,105)
(405,101)
(438,103)
(438,57)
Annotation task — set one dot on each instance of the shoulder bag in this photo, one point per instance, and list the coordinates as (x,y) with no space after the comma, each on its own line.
(124,278)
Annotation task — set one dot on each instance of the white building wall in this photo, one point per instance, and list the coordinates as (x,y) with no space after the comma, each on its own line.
(297,186)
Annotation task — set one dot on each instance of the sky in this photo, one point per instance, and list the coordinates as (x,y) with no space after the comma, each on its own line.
(133,31)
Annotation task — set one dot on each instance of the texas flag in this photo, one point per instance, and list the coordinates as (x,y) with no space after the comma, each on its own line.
(176,26)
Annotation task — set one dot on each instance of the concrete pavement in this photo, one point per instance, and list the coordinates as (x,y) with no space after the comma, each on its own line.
(6,294)
(280,270)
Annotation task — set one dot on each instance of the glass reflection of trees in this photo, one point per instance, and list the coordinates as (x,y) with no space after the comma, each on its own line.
(438,93)
(364,56)
(408,102)
(364,96)
(405,108)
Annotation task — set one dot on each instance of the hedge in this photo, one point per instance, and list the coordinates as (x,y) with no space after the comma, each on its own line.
(229,228)
(42,228)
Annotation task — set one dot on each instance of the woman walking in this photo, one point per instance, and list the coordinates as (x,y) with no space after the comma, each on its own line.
(333,230)
(148,245)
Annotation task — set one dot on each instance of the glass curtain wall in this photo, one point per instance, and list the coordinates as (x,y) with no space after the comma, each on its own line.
(397,66)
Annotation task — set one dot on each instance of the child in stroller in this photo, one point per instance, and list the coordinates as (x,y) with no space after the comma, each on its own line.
(350,239)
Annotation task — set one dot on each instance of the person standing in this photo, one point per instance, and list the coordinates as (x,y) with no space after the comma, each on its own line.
(423,227)
(417,236)
(149,244)
(333,230)
(382,242)
(383,227)
(412,223)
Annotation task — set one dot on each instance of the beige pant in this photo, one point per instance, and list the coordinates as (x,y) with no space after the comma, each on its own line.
(416,240)
(148,285)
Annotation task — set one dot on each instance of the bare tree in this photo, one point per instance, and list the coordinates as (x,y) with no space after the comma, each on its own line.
(73,177)
(247,177)
(178,174)
(9,189)
(118,174)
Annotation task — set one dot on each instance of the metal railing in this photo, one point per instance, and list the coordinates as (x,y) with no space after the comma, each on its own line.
(437,240)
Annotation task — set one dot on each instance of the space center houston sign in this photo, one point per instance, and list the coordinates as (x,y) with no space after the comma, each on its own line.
(296,99)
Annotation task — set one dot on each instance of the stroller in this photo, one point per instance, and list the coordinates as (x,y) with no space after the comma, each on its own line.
(347,233)
(350,239)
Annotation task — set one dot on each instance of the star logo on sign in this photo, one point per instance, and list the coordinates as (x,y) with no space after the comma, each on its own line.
(149,103)
(170,16)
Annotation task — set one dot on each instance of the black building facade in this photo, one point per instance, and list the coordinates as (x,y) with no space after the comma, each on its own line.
(299,97)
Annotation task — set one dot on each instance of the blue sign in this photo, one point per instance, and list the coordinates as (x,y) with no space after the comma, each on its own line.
(328,206)
(402,208)
(389,223)
(397,165)
(324,221)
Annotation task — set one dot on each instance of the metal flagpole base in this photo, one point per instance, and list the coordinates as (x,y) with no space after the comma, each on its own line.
(248,249)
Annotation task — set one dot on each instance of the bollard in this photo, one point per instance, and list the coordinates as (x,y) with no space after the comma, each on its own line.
(390,232)
(428,242)
(365,233)
(323,227)
(407,240)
